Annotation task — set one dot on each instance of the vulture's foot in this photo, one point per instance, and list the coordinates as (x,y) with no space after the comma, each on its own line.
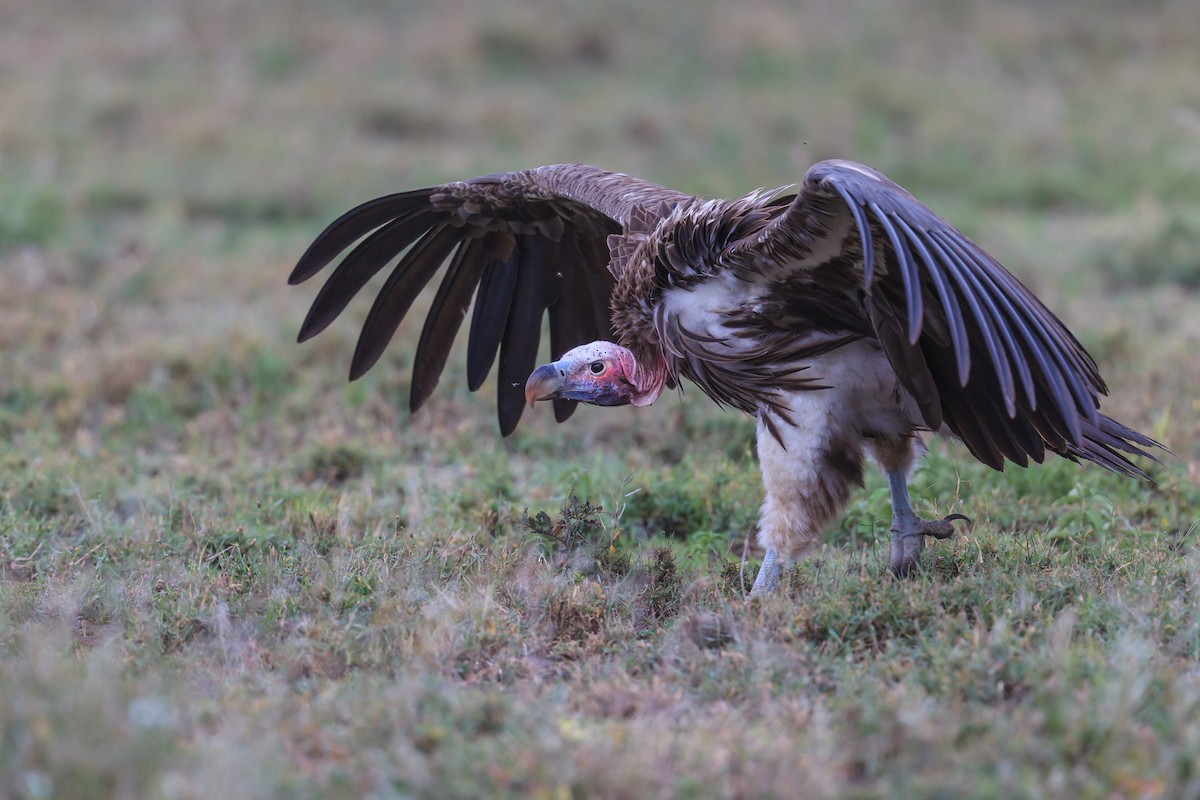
(768,574)
(909,530)
(908,539)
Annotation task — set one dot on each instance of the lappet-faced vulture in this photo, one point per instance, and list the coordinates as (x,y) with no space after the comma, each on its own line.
(845,317)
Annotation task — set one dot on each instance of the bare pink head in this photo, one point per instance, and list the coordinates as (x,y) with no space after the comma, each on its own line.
(600,373)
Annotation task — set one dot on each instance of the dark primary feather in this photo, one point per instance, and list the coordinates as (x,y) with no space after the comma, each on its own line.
(534,292)
(351,226)
(446,314)
(411,275)
(490,317)
(362,264)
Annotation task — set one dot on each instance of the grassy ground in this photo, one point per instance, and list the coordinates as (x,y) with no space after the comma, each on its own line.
(226,572)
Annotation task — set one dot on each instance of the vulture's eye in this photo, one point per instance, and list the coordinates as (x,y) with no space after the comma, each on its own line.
(596,367)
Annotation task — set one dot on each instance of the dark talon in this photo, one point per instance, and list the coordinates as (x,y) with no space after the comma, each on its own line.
(909,540)
(939,528)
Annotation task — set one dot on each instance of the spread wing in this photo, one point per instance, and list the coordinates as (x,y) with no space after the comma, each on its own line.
(973,346)
(522,243)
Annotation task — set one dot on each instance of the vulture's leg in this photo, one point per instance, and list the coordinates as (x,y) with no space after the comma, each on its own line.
(909,530)
(768,574)
(810,461)
(898,456)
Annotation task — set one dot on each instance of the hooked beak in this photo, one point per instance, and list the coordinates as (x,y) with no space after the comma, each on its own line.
(544,384)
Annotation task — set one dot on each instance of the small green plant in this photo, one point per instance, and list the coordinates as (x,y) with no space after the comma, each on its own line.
(578,538)
(576,526)
(663,591)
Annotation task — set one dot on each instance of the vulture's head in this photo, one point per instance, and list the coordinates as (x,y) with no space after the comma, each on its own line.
(600,373)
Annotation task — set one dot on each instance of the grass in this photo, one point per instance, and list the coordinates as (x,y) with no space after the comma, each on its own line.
(225,571)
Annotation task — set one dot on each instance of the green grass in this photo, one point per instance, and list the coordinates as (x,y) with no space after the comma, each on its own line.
(226,572)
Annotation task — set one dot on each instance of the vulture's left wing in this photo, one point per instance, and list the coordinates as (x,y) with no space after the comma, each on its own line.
(972,345)
(522,243)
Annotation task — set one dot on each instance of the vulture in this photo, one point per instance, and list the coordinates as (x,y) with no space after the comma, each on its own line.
(845,316)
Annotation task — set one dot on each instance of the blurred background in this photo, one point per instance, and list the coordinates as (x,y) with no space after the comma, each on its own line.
(162,164)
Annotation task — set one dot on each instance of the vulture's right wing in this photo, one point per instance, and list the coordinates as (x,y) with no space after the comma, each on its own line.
(971,344)
(521,243)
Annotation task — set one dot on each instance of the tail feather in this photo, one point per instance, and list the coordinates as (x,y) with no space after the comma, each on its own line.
(1105,444)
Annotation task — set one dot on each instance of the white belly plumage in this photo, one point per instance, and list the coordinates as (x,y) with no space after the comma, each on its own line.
(812,455)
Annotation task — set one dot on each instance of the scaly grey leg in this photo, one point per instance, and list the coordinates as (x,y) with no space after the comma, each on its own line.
(768,574)
(909,530)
